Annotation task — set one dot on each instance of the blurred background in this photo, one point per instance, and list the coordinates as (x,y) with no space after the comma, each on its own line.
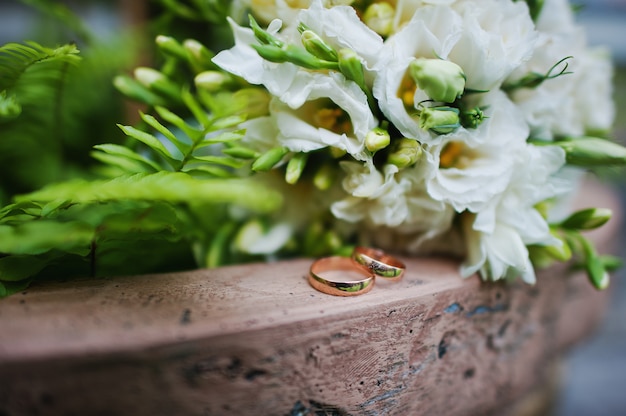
(595,371)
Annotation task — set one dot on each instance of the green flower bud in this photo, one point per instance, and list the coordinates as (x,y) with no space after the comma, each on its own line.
(587,219)
(137,91)
(351,67)
(316,46)
(199,56)
(441,120)
(441,80)
(212,81)
(379,17)
(9,107)
(241,152)
(377,139)
(170,46)
(324,177)
(592,151)
(269,159)
(263,36)
(560,253)
(295,167)
(157,82)
(405,152)
(598,275)
(470,119)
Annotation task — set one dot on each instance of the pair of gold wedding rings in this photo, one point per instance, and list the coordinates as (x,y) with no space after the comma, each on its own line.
(355,275)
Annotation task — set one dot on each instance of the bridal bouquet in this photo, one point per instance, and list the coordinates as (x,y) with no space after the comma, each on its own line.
(459,127)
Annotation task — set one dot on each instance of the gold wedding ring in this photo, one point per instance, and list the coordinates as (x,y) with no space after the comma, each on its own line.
(379,262)
(340,276)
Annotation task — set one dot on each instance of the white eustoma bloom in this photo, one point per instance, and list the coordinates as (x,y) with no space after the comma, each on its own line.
(339,26)
(497,236)
(431,33)
(373,198)
(487,39)
(498,36)
(572,104)
(332,114)
(469,168)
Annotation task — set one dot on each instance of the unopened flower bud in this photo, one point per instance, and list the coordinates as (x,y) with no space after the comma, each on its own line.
(135,90)
(324,177)
(377,139)
(592,151)
(379,17)
(170,46)
(441,80)
(157,82)
(295,167)
(598,275)
(587,219)
(199,56)
(211,81)
(316,46)
(561,252)
(441,120)
(269,159)
(470,119)
(241,152)
(405,152)
(351,67)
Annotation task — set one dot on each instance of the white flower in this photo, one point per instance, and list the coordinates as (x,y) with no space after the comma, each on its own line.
(498,36)
(471,167)
(373,198)
(333,113)
(431,33)
(572,104)
(497,236)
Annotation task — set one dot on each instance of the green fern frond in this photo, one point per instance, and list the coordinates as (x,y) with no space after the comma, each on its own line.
(16,59)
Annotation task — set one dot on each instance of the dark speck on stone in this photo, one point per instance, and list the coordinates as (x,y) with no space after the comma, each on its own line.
(186,317)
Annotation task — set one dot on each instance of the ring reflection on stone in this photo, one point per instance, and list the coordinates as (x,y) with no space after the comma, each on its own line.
(379,262)
(340,276)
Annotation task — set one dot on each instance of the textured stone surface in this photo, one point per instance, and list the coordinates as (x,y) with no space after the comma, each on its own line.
(257,339)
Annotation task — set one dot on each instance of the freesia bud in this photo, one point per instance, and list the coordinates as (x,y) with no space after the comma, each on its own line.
(377,139)
(269,159)
(587,219)
(441,80)
(211,81)
(598,275)
(473,118)
(200,57)
(135,90)
(170,46)
(561,252)
(406,152)
(295,167)
(351,67)
(441,120)
(316,46)
(592,151)
(324,177)
(241,152)
(157,82)
(379,17)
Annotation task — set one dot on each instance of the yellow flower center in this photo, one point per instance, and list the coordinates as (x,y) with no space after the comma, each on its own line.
(455,155)
(333,119)
(406,91)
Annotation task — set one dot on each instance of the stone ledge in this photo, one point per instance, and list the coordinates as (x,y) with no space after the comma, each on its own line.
(257,339)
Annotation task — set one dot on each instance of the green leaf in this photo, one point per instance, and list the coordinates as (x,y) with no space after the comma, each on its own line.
(175,187)
(225,137)
(191,132)
(9,288)
(36,237)
(154,123)
(16,268)
(220,160)
(149,140)
(122,152)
